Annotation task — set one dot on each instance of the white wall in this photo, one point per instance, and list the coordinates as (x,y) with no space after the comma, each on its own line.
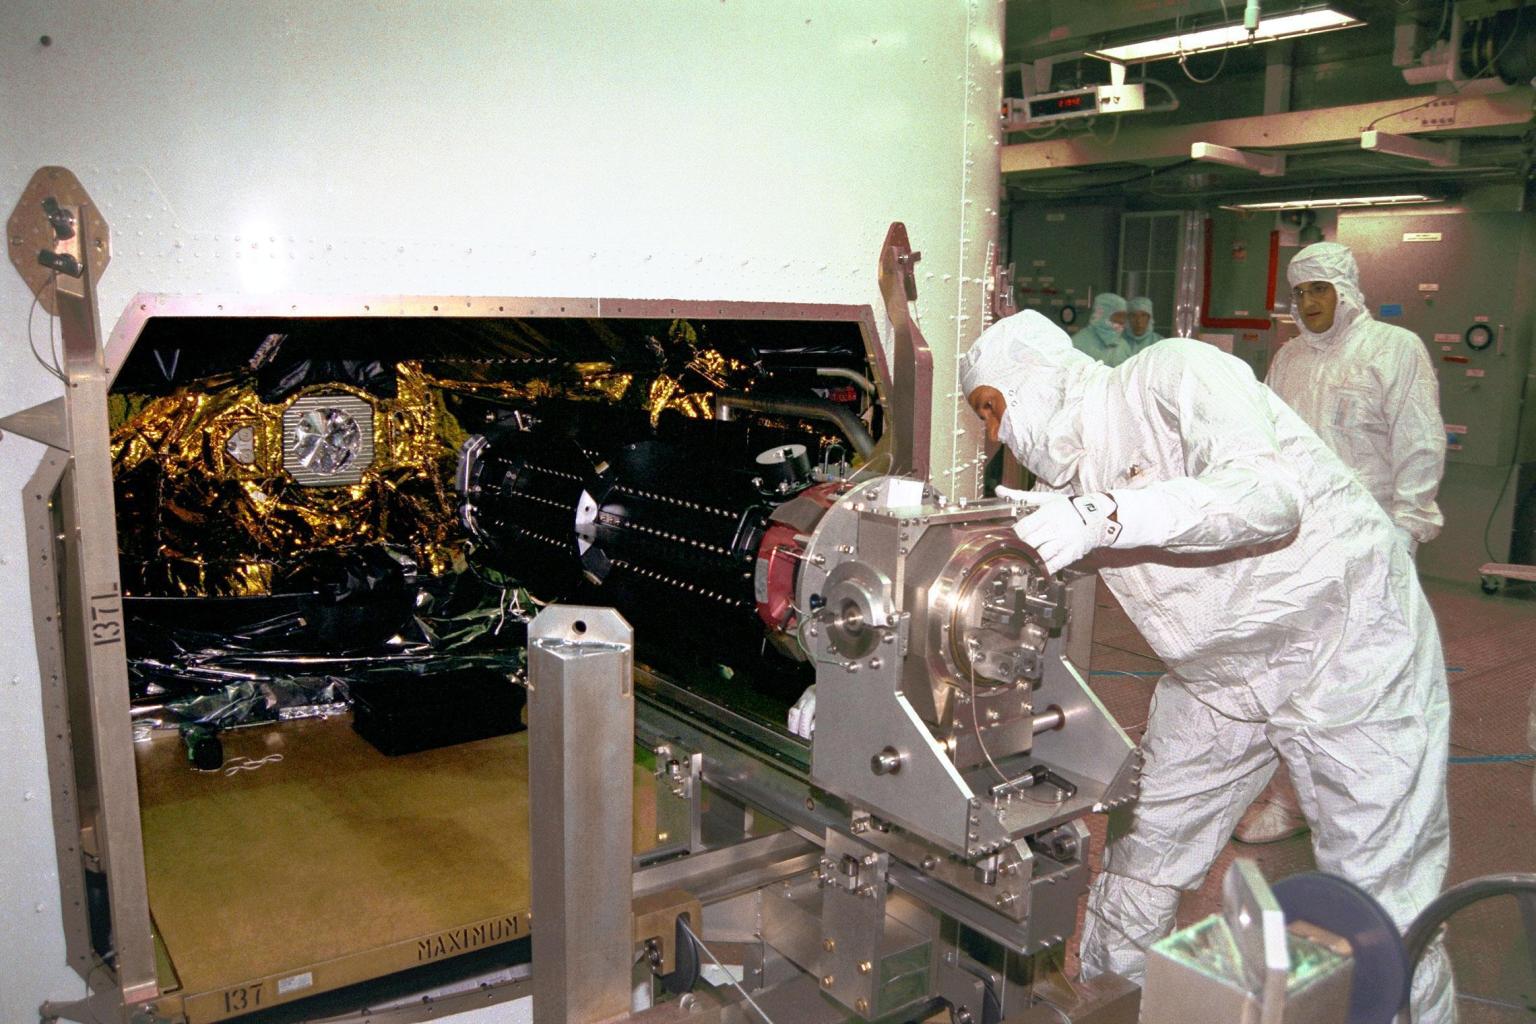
(734,149)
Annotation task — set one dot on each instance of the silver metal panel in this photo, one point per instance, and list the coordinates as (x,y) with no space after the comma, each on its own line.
(580,806)
(853,921)
(94,642)
(45,555)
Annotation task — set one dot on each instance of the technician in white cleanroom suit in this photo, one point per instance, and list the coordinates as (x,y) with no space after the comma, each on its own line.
(1367,388)
(1139,332)
(1103,336)
(1268,581)
(1369,391)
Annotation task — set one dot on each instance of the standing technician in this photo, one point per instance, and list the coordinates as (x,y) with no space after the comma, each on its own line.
(1367,388)
(1369,391)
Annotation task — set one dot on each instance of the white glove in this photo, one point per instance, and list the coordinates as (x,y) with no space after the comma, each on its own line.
(1063,530)
(802,717)
(1015,494)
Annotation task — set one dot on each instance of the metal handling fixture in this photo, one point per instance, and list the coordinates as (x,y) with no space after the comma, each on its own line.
(924,852)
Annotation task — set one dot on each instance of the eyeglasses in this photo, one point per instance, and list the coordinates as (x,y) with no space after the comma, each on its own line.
(1312,289)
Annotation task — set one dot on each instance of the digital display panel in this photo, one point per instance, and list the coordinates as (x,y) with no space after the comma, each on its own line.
(1054,106)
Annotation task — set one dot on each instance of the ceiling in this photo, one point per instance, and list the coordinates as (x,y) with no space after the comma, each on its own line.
(1307,99)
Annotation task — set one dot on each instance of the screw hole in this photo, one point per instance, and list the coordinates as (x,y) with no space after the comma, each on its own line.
(579,626)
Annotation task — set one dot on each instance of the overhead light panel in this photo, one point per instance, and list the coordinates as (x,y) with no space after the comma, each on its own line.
(1271,165)
(1285,26)
(1340,201)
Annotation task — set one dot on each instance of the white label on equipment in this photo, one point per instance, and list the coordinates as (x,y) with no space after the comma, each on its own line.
(1477,373)
(1429,287)
(1055,218)
(1448,338)
(1455,428)
(1239,312)
(1047,280)
(1481,318)
(1058,302)
(1421,236)
(295,982)
(1037,263)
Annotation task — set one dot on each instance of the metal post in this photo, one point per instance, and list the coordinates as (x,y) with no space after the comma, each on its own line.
(910,416)
(59,243)
(581,733)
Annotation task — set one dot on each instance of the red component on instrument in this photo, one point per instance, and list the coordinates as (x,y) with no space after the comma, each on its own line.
(778,563)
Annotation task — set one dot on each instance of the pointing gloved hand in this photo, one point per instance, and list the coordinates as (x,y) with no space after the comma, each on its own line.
(802,717)
(1062,529)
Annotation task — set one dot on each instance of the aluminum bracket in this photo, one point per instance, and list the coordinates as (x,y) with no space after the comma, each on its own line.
(44,423)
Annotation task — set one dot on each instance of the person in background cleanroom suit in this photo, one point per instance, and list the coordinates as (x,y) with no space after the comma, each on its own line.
(1369,391)
(1267,579)
(1103,336)
(1367,388)
(1139,332)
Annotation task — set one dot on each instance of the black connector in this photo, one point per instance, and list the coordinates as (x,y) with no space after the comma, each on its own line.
(60,262)
(62,220)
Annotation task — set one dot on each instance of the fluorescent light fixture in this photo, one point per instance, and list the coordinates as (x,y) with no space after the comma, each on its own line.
(1285,26)
(1318,204)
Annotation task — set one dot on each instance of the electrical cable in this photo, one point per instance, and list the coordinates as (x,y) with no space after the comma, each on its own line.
(1184,57)
(1494,510)
(1172,96)
(55,369)
(1091,190)
(1490,66)
(1023,791)
(744,994)
(1406,110)
(1113,135)
(1493,62)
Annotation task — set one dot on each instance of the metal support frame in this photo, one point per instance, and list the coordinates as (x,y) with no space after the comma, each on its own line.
(910,417)
(80,648)
(581,728)
(1150,142)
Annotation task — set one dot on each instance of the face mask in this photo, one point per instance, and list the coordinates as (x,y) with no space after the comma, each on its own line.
(1006,435)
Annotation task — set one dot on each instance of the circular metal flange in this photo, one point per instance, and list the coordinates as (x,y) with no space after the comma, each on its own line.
(969,606)
(28,231)
(858,609)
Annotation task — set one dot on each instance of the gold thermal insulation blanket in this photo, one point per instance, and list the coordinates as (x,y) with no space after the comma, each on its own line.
(207,506)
